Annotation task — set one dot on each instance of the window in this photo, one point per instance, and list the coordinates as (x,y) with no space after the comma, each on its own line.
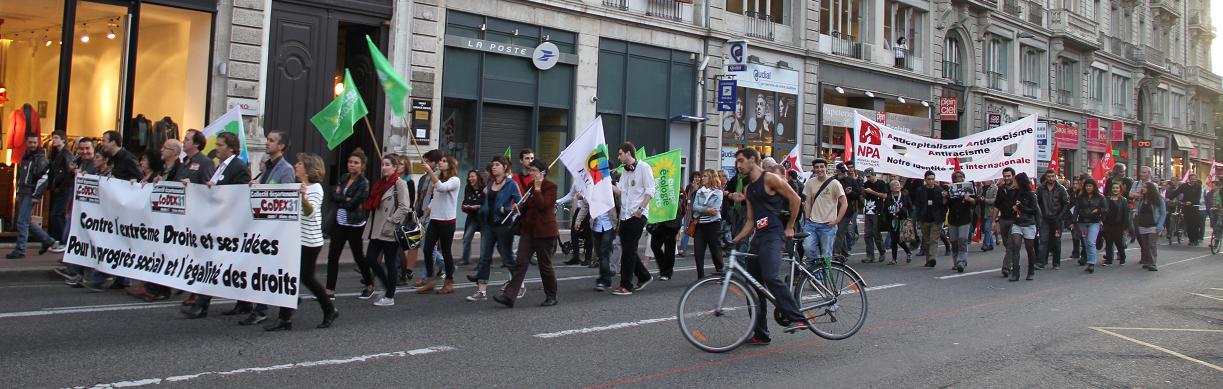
(1095,89)
(1121,96)
(1177,108)
(996,63)
(842,19)
(775,10)
(952,64)
(637,107)
(901,20)
(1030,71)
(1066,81)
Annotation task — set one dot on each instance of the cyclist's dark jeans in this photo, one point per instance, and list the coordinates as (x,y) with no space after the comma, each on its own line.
(767,247)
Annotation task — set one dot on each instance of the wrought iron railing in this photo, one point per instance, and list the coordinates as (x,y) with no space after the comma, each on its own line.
(846,45)
(666,9)
(759,25)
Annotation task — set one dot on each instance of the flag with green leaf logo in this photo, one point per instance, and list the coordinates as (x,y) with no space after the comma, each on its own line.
(664,206)
(397,90)
(337,119)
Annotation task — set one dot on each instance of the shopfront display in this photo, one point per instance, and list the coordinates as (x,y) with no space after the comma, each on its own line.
(766,113)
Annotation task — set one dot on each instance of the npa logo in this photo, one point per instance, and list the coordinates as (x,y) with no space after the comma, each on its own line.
(275,204)
(169,197)
(87,190)
(869,134)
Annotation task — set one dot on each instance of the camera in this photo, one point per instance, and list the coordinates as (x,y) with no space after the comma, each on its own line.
(959,190)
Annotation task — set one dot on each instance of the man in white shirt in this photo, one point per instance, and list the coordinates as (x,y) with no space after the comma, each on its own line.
(636,188)
(826,206)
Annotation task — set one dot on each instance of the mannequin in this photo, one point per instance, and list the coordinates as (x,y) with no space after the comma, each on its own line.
(164,129)
(24,120)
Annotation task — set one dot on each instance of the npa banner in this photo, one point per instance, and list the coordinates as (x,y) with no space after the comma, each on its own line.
(237,241)
(665,203)
(982,156)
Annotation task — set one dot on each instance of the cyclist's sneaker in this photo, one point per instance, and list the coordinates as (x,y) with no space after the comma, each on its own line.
(760,341)
(621,291)
(796,326)
(644,284)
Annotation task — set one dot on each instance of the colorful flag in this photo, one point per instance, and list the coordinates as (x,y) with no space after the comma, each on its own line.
(849,145)
(229,122)
(397,90)
(337,119)
(794,162)
(586,160)
(665,203)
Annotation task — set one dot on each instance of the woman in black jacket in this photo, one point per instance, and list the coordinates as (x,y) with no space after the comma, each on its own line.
(1091,208)
(473,199)
(896,217)
(1027,212)
(350,218)
(1116,222)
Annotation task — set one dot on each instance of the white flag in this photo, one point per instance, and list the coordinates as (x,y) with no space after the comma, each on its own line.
(586,159)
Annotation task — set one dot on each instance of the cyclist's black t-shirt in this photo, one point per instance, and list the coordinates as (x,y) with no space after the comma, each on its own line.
(765,207)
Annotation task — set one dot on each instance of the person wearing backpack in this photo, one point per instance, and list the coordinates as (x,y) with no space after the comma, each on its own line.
(1150,215)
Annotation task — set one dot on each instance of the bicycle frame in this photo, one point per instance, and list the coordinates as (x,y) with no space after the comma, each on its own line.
(734,268)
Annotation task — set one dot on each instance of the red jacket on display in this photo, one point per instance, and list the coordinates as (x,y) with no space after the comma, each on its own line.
(23,120)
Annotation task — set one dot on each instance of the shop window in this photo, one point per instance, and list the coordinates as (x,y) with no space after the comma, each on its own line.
(645,97)
(650,85)
(95,93)
(613,127)
(462,75)
(458,131)
(611,78)
(553,137)
(556,86)
(29,69)
(683,96)
(171,72)
(647,133)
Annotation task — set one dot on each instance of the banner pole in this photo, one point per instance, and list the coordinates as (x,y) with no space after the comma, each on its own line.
(370,128)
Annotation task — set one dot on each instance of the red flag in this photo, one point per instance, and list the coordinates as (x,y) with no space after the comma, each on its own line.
(1053,163)
(1211,179)
(1185,178)
(849,146)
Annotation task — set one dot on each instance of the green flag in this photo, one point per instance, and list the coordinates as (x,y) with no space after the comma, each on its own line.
(508,155)
(640,154)
(337,119)
(665,203)
(396,88)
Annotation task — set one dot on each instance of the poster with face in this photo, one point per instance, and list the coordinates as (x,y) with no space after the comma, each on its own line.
(761,118)
(787,119)
(734,125)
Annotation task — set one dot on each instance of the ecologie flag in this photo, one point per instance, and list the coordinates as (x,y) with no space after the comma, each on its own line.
(586,160)
(665,203)
(508,155)
(229,122)
(640,156)
(337,119)
(396,88)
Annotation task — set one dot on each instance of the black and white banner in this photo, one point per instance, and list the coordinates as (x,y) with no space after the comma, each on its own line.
(238,241)
(981,156)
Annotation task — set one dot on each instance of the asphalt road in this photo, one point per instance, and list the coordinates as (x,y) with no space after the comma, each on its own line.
(1120,327)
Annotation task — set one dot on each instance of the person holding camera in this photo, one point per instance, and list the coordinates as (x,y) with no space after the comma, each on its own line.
(960,200)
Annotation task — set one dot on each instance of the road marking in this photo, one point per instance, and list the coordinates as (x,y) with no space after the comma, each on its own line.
(969,274)
(1169,352)
(1187,260)
(1217,288)
(1220,298)
(1160,329)
(287,366)
(630,324)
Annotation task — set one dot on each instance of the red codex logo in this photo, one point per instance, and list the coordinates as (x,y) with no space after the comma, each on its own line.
(869,134)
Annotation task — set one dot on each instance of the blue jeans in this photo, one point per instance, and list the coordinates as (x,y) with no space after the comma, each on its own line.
(603,243)
(469,234)
(25,206)
(987,233)
(683,239)
(500,238)
(818,242)
(1089,244)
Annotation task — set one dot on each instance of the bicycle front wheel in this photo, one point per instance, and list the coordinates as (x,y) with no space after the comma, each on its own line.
(838,309)
(1214,242)
(713,324)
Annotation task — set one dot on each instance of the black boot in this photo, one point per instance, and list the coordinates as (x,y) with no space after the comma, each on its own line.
(1030,274)
(329,318)
(281,324)
(1014,273)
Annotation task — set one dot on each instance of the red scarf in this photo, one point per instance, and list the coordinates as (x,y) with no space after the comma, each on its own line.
(380,188)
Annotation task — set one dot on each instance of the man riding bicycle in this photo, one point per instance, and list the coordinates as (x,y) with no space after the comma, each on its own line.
(766,193)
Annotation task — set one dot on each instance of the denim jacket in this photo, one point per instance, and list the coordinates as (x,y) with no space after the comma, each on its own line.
(505,199)
(704,200)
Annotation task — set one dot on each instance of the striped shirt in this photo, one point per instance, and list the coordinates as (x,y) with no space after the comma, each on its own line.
(312,224)
(341,216)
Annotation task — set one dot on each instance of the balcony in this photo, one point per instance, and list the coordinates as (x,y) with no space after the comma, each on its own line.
(1095,105)
(1119,47)
(1155,56)
(1075,29)
(757,25)
(1031,89)
(1036,14)
(1011,7)
(666,9)
(1200,24)
(1064,97)
(979,5)
(1165,12)
(996,81)
(617,4)
(1205,78)
(846,45)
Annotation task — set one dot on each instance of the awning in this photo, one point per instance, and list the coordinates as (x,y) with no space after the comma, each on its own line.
(1183,141)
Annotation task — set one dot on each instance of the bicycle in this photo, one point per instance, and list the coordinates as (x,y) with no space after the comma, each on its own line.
(1175,226)
(717,313)
(1216,234)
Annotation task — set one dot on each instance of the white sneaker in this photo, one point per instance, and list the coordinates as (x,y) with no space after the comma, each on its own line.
(384,302)
(58,248)
(478,296)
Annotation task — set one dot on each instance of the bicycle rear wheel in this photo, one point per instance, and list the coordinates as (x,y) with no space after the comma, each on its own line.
(836,316)
(1214,242)
(715,329)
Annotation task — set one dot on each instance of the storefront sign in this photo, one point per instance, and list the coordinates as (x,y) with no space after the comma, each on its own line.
(1159,142)
(1097,139)
(514,50)
(993,120)
(1066,136)
(727,93)
(247,107)
(1142,144)
(728,160)
(1117,134)
(838,116)
(422,118)
(173,234)
(737,51)
(773,79)
(545,56)
(947,110)
(1043,151)
(980,156)
(881,117)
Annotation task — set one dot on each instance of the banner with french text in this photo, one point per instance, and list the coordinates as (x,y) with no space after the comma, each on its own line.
(981,156)
(237,241)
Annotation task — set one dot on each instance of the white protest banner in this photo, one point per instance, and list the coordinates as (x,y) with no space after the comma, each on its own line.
(982,156)
(236,241)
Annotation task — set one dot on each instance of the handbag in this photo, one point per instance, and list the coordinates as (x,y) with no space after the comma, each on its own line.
(691,231)
(907,232)
(408,231)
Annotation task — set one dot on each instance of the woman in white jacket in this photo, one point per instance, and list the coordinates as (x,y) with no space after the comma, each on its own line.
(442,213)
